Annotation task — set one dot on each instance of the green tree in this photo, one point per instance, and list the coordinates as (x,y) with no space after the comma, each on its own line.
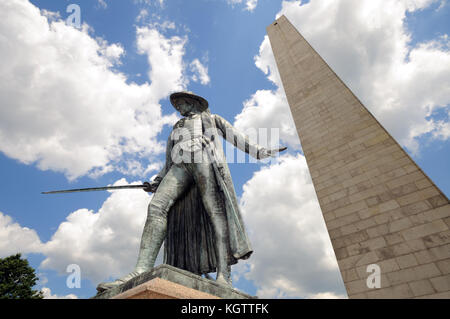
(17,279)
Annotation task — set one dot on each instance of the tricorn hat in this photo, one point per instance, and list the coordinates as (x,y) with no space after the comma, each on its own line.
(201,104)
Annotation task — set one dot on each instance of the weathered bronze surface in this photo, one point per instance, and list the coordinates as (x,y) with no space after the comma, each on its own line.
(194,208)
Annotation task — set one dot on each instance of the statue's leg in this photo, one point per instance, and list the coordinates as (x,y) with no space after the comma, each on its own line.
(205,179)
(170,189)
(172,186)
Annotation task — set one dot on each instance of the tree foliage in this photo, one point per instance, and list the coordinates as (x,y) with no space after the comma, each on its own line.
(17,279)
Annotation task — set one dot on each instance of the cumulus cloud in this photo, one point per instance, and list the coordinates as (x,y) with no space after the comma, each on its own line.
(250,5)
(51,16)
(103,243)
(269,109)
(149,2)
(142,16)
(156,22)
(64,105)
(200,72)
(265,61)
(368,45)
(293,256)
(48,295)
(17,239)
(165,57)
(443,132)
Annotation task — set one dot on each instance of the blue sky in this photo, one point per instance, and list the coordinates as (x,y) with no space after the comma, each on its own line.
(84,107)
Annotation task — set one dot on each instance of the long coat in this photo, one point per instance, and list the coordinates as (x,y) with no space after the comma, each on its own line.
(189,242)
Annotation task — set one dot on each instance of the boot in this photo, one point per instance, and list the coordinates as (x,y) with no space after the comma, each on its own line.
(151,241)
(224,277)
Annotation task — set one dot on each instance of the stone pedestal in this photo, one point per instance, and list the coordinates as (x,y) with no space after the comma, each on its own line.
(168,282)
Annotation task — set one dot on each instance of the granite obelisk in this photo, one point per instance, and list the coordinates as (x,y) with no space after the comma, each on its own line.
(379,207)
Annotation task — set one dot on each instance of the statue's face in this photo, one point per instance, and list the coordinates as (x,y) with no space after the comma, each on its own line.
(185,106)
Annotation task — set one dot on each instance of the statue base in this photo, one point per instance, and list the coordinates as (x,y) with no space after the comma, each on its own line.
(168,282)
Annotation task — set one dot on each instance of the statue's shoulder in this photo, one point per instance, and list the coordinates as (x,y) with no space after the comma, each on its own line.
(214,116)
(179,123)
(209,120)
(208,115)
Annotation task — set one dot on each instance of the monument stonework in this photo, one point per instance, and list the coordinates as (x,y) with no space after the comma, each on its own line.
(378,205)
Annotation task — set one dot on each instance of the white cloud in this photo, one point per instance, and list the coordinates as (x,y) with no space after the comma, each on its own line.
(293,256)
(368,45)
(142,2)
(443,132)
(135,168)
(165,57)
(269,109)
(103,243)
(149,2)
(296,262)
(66,108)
(162,26)
(112,52)
(17,239)
(142,16)
(200,72)
(265,61)
(48,295)
(102,3)
(250,5)
(51,16)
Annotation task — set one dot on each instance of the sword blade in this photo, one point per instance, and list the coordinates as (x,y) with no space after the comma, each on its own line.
(92,189)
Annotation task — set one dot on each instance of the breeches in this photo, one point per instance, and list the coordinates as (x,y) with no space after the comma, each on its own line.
(177,180)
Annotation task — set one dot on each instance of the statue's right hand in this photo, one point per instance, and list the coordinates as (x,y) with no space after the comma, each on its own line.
(150,187)
(265,153)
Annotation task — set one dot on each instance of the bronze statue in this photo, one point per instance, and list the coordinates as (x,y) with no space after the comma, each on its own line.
(194,208)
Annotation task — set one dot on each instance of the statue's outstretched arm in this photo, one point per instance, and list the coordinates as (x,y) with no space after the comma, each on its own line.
(241,141)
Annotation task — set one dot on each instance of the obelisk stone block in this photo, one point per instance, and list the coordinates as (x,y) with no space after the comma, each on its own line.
(378,205)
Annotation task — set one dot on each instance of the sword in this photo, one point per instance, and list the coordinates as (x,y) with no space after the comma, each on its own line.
(146,186)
